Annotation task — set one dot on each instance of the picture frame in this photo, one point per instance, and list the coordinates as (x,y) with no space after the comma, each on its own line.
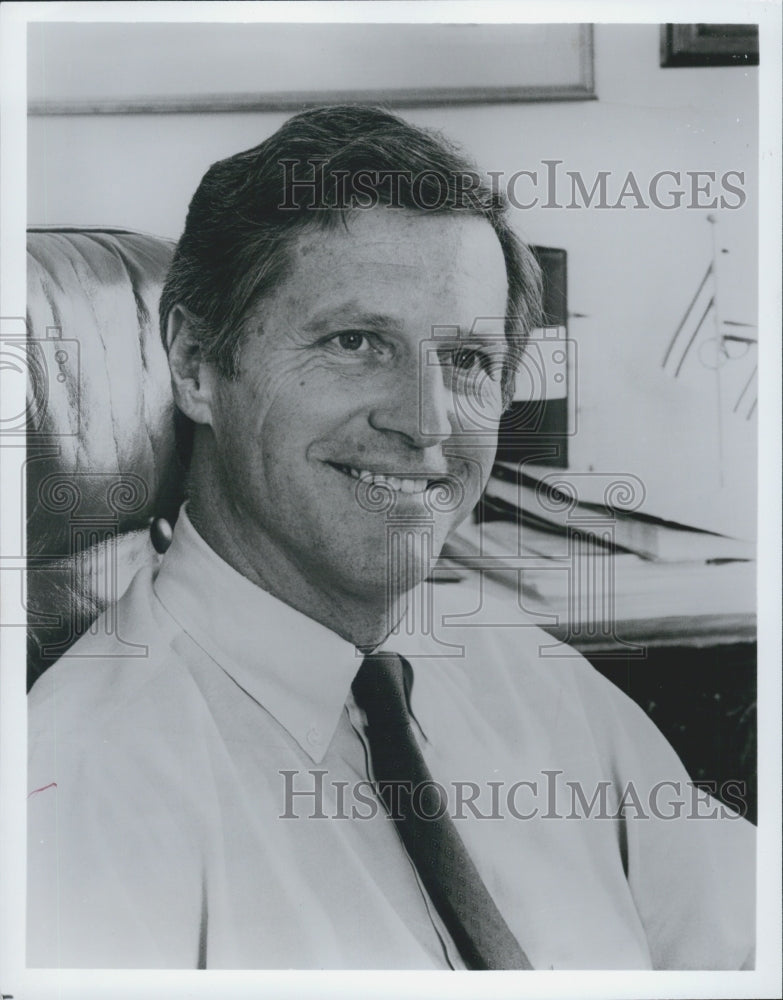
(709,45)
(258,67)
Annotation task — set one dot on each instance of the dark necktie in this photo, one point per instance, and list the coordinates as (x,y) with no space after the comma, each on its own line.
(433,844)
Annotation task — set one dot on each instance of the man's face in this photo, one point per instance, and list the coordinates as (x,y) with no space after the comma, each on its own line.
(364,379)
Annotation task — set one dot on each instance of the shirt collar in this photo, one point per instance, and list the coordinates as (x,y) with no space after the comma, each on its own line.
(296,669)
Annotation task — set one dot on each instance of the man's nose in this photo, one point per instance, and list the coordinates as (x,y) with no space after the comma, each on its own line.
(419,405)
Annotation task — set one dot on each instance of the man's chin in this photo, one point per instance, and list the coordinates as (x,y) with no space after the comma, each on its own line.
(379,566)
(385,582)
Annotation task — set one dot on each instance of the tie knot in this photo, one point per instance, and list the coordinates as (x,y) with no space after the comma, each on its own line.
(380,686)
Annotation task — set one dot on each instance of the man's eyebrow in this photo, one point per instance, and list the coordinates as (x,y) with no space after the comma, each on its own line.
(468,336)
(353,317)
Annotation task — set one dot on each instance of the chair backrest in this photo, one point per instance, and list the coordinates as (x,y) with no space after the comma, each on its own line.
(101,459)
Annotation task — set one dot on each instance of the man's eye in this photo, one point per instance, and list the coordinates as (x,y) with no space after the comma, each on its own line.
(469,359)
(466,358)
(353,341)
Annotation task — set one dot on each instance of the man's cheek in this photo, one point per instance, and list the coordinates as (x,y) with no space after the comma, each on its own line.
(479,461)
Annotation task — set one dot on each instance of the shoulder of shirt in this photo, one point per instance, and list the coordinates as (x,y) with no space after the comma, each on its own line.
(123,670)
(509,639)
(520,658)
(507,651)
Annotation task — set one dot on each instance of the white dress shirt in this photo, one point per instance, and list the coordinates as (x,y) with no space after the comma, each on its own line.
(163,831)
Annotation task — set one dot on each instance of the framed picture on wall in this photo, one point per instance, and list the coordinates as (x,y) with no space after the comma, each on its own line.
(282,66)
(709,45)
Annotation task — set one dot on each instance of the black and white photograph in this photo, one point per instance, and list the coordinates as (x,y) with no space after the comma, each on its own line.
(390,447)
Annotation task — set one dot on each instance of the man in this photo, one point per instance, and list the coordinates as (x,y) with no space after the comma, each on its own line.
(322,763)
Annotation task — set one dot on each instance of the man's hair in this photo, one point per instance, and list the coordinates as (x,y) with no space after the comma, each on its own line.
(318,168)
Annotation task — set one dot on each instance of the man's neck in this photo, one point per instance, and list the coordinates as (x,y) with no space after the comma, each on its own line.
(364,620)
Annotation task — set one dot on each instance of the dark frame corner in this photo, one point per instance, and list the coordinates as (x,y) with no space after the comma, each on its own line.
(709,45)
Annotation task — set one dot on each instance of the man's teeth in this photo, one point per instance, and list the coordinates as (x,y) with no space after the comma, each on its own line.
(400,484)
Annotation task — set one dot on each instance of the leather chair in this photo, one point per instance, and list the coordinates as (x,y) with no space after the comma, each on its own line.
(101,457)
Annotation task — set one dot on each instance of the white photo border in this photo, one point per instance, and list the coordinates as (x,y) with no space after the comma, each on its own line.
(27,984)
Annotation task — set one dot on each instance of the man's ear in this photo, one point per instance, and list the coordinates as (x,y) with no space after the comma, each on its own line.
(192,379)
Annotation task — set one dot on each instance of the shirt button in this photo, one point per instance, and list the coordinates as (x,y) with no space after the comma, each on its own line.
(314,737)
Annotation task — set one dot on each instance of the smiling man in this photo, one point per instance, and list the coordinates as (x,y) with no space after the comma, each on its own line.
(322,762)
(332,398)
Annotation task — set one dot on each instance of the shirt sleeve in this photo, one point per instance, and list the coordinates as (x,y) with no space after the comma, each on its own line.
(689,859)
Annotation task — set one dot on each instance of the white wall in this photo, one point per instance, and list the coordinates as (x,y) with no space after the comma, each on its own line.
(632,272)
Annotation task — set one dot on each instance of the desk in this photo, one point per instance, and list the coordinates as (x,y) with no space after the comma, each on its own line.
(601,601)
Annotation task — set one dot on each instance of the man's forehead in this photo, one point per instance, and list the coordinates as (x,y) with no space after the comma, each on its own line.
(382,255)
(377,234)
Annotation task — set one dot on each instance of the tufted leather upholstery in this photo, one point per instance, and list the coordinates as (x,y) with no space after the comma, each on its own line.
(101,460)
